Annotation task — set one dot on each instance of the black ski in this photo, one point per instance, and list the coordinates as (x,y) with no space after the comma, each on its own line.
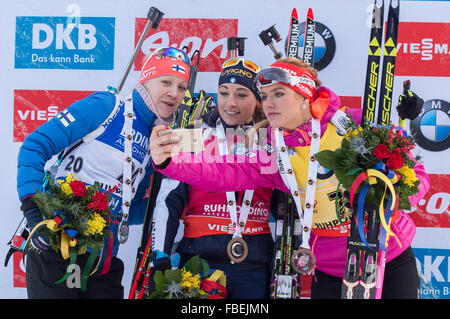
(373,64)
(360,278)
(387,76)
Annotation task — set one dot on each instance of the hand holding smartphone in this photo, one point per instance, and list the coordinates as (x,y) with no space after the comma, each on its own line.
(190,140)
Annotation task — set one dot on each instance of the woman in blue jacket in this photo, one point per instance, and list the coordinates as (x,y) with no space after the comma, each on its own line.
(95,137)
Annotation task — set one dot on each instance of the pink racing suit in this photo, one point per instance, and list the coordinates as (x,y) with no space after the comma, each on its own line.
(259,169)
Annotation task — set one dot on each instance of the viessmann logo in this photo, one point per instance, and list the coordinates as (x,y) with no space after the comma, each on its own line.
(64,43)
(32,108)
(209,36)
(423,49)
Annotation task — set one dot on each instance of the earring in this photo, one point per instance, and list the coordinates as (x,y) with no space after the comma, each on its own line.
(303,106)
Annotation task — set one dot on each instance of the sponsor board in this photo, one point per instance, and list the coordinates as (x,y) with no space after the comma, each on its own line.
(19,276)
(433,209)
(423,48)
(209,36)
(58,43)
(433,266)
(32,108)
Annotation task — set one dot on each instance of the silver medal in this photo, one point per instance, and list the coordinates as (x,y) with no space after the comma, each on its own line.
(122,234)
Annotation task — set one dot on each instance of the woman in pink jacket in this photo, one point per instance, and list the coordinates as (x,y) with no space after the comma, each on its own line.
(303,118)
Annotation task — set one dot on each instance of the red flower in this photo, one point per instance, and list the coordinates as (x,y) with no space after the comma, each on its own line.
(99,201)
(78,188)
(395,161)
(381,151)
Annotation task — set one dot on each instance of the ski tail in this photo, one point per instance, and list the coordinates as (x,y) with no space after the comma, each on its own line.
(294,36)
(373,64)
(309,39)
(389,55)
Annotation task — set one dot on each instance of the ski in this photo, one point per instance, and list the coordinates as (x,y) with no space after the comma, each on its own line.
(373,64)
(309,39)
(387,76)
(294,36)
(365,262)
(185,109)
(286,283)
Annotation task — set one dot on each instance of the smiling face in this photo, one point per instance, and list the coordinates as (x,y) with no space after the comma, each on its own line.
(167,93)
(236,103)
(283,106)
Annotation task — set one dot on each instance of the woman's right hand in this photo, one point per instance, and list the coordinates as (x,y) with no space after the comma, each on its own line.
(161,146)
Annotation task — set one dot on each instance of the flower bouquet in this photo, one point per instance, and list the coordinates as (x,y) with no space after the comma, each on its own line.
(76,220)
(193,281)
(372,153)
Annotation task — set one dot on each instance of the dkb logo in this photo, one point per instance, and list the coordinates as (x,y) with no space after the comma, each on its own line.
(57,43)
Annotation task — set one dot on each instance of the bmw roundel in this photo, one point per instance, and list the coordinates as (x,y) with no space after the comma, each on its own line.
(431,129)
(324,45)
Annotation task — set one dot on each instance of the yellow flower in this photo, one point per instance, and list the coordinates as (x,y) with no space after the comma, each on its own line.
(409,174)
(96,224)
(189,281)
(65,184)
(70,178)
(355,133)
(65,187)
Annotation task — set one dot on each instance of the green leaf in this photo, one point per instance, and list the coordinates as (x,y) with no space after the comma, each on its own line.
(326,159)
(172,275)
(160,281)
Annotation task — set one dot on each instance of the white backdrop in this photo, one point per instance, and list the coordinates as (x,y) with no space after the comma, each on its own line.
(29,89)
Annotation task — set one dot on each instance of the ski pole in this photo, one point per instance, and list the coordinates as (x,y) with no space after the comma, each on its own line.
(154,17)
(140,270)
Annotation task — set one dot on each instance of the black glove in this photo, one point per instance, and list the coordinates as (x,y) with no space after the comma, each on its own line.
(409,104)
(33,216)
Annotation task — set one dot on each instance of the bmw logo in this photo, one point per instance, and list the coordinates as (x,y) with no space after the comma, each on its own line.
(324,45)
(431,129)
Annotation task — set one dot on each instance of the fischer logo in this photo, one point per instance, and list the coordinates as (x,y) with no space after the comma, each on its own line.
(209,36)
(58,43)
(433,209)
(33,108)
(423,48)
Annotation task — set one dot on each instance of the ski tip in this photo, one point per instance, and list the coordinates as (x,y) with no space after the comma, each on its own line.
(310,14)
(294,14)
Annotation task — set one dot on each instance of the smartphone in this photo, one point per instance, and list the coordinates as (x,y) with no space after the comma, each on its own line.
(191,140)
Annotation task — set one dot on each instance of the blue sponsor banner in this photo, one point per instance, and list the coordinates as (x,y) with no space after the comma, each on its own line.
(85,43)
(434,268)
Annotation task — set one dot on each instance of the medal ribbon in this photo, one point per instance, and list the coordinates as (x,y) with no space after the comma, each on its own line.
(288,176)
(239,225)
(127,187)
